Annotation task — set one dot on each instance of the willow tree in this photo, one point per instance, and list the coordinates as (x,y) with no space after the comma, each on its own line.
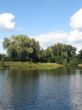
(21,47)
(59,53)
(63,53)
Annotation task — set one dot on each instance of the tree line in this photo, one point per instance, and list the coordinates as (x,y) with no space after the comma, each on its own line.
(23,48)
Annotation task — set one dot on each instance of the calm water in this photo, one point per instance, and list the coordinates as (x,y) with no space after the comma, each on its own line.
(41,90)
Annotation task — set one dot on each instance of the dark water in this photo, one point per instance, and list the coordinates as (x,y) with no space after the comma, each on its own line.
(41,90)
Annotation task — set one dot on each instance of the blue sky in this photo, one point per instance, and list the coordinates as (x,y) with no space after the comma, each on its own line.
(37,18)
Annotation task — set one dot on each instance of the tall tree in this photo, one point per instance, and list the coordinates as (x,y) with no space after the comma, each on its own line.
(21,47)
(79,56)
(63,53)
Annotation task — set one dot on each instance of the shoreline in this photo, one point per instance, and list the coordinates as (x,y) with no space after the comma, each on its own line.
(27,65)
(80,65)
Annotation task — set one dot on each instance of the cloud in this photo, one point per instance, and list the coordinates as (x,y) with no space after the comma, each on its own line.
(51,38)
(76,20)
(1,47)
(74,37)
(6,21)
(20,28)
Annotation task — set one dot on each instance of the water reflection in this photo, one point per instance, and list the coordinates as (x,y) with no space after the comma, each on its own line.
(76,90)
(41,89)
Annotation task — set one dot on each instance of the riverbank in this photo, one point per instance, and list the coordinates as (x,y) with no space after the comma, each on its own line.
(80,65)
(27,65)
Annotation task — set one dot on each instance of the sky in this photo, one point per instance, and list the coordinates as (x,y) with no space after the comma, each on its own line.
(48,21)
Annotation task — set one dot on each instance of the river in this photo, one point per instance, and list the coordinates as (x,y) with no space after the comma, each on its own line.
(59,89)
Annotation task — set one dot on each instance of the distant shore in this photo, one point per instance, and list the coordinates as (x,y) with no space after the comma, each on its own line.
(80,65)
(27,65)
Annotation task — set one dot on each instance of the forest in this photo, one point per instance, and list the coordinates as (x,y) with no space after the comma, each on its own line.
(25,49)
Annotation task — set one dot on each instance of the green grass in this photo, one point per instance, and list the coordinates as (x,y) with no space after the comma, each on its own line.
(27,65)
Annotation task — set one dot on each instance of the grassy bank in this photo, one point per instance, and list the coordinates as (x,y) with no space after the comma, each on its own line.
(27,65)
(80,65)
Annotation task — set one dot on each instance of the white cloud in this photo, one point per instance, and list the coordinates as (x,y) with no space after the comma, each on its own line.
(6,21)
(51,38)
(73,37)
(76,20)
(20,28)
(1,47)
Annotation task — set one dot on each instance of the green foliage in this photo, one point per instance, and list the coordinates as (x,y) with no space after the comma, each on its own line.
(2,61)
(1,56)
(58,53)
(79,56)
(74,61)
(23,48)
(20,47)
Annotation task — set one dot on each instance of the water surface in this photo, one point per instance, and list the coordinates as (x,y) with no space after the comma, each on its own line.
(41,89)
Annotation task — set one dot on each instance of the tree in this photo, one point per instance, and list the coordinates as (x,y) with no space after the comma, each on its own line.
(1,56)
(79,56)
(63,53)
(21,47)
